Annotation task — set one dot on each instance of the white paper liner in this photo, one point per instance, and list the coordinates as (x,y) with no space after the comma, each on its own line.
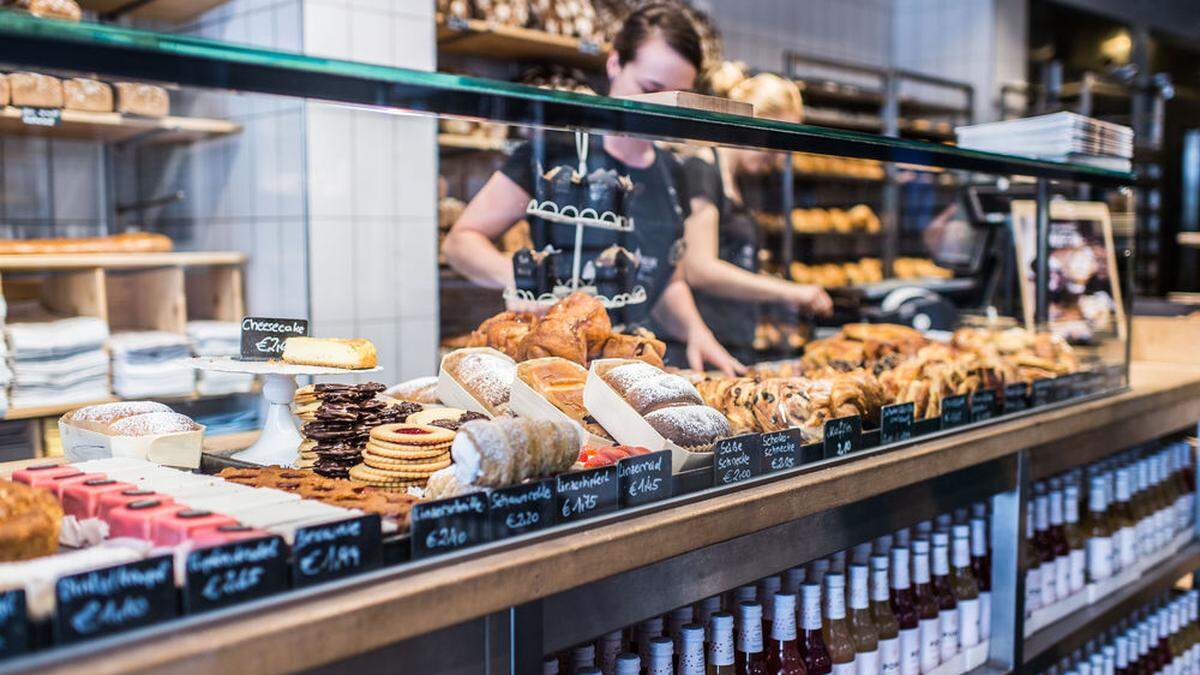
(526,402)
(180,449)
(454,394)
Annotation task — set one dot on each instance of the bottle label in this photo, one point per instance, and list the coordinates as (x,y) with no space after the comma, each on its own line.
(1033,590)
(850,668)
(692,662)
(1099,555)
(750,637)
(985,615)
(889,656)
(660,668)
(783,628)
(1049,590)
(1078,574)
(910,651)
(811,619)
(1062,576)
(969,631)
(1141,535)
(867,663)
(1127,547)
(948,623)
(931,644)
(720,653)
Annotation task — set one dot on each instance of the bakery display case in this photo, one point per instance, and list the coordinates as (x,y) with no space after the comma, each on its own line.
(622,486)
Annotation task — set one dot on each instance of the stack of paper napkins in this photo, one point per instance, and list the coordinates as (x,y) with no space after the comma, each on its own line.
(58,362)
(1060,137)
(151,363)
(218,338)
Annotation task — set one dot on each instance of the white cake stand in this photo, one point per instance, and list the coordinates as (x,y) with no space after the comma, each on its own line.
(279,443)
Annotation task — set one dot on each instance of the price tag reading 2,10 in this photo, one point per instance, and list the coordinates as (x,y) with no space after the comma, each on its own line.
(115,599)
(223,575)
(843,436)
(644,478)
(781,450)
(263,338)
(14,623)
(521,508)
(447,525)
(337,549)
(584,494)
(896,423)
(737,459)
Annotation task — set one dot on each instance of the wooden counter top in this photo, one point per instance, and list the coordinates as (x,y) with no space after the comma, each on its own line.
(325,624)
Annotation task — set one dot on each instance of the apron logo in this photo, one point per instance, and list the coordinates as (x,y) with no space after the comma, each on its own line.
(678,249)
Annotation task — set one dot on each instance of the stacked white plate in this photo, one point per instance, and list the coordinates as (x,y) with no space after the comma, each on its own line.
(58,362)
(146,364)
(1061,137)
(218,338)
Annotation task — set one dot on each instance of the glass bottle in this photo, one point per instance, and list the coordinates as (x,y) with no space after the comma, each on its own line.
(1175,634)
(707,608)
(1121,663)
(837,563)
(691,652)
(816,571)
(662,656)
(966,591)
(1158,498)
(902,537)
(1058,546)
(767,588)
(1163,646)
(882,545)
(1142,512)
(629,664)
(836,629)
(1076,542)
(747,593)
(720,644)
(1099,535)
(927,607)
(608,647)
(1033,565)
(750,659)
(583,656)
(884,618)
(792,578)
(862,627)
(861,554)
(550,665)
(783,655)
(1121,514)
(811,642)
(1043,547)
(905,609)
(948,619)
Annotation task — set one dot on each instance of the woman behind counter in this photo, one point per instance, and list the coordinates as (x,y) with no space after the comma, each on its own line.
(657,49)
(722,244)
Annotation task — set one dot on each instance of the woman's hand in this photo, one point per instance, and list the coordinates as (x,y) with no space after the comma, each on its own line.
(811,298)
(702,348)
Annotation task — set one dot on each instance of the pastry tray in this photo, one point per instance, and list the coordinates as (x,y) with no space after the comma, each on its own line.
(526,402)
(454,394)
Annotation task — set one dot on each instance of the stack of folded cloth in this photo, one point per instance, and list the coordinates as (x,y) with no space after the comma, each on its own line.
(58,362)
(151,363)
(218,338)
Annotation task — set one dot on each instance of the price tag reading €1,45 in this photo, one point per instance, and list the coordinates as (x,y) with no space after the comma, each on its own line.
(644,478)
(843,436)
(446,525)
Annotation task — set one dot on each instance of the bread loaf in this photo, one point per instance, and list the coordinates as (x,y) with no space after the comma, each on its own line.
(35,90)
(129,418)
(485,374)
(137,98)
(129,242)
(669,403)
(3,89)
(353,354)
(80,93)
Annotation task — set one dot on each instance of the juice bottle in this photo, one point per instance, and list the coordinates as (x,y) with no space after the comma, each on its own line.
(884,617)
(904,607)
(783,654)
(691,654)
(1033,565)
(836,629)
(1058,546)
(767,588)
(1121,514)
(1076,542)
(608,647)
(750,659)
(720,644)
(948,618)
(811,642)
(966,591)
(1098,532)
(1042,545)
(862,626)
(662,656)
(927,607)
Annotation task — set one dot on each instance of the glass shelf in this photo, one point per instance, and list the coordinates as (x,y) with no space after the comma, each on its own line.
(115,51)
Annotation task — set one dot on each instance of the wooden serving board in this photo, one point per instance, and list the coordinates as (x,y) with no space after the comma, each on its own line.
(687,99)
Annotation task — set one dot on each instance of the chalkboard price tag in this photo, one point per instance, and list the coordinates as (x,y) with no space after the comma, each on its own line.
(457,23)
(896,423)
(956,411)
(335,550)
(263,338)
(584,494)
(983,405)
(843,436)
(447,525)
(1016,397)
(781,450)
(1115,376)
(1062,388)
(644,478)
(588,47)
(521,508)
(1079,384)
(41,117)
(217,576)
(115,599)
(737,459)
(14,623)
(1042,392)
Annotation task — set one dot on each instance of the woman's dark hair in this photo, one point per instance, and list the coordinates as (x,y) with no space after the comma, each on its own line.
(665,19)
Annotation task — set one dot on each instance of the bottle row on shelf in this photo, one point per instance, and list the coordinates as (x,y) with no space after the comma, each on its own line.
(915,602)
(1139,509)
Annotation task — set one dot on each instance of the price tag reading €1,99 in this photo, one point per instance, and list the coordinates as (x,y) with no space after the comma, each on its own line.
(843,436)
(446,525)
(337,549)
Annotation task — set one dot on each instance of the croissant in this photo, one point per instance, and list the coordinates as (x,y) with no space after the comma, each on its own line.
(641,345)
(587,312)
(503,332)
(554,336)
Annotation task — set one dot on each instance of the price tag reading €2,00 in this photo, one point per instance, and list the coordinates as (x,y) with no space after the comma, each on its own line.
(737,459)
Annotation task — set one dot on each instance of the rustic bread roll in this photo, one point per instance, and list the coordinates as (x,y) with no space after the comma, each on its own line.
(35,90)
(3,89)
(80,93)
(137,98)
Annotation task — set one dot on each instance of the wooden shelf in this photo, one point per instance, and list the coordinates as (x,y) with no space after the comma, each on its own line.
(114,127)
(474,37)
(174,11)
(477,143)
(1190,239)
(323,624)
(77,261)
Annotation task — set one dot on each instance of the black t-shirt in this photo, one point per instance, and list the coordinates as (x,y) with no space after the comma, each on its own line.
(731,321)
(654,206)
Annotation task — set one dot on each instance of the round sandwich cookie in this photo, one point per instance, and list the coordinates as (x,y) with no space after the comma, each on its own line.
(394,465)
(371,473)
(375,478)
(431,414)
(412,434)
(400,451)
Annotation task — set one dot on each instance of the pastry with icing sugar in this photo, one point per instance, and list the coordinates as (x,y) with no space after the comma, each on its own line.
(668,402)
(509,450)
